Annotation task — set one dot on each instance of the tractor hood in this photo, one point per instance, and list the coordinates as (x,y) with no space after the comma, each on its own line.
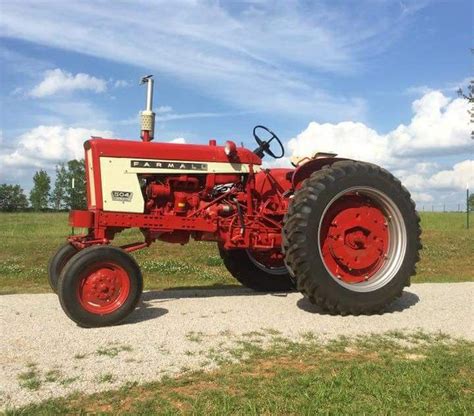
(169,151)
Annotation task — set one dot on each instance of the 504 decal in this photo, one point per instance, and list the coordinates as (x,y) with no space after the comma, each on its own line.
(122,196)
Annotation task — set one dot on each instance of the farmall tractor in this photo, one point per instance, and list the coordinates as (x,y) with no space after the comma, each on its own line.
(343,232)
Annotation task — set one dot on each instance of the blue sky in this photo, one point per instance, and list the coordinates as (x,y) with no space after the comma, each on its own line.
(222,67)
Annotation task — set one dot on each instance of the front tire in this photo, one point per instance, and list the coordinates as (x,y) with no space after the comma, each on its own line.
(100,286)
(352,238)
(57,262)
(252,272)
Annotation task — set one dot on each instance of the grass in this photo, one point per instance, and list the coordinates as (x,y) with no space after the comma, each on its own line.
(386,374)
(33,379)
(113,351)
(30,379)
(195,336)
(106,378)
(27,240)
(447,254)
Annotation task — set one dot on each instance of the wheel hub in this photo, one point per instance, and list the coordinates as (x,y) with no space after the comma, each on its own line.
(104,289)
(355,239)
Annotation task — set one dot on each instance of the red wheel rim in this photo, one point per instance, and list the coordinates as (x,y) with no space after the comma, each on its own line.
(354,238)
(104,288)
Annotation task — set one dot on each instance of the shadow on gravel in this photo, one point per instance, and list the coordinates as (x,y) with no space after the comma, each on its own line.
(406,301)
(202,292)
(144,312)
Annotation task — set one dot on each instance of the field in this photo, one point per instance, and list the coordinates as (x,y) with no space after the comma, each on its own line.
(27,240)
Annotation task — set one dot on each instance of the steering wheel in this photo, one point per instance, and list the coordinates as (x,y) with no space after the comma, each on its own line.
(264,145)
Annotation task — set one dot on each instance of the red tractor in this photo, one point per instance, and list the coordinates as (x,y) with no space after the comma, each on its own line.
(345,233)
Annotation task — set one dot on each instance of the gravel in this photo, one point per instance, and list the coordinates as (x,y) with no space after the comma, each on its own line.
(43,354)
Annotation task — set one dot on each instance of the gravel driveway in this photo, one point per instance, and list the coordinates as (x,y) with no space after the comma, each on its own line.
(44,354)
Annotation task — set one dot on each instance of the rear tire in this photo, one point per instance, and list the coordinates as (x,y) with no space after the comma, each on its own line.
(57,263)
(100,286)
(352,238)
(253,275)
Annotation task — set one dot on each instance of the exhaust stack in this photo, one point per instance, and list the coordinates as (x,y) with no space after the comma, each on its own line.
(147,116)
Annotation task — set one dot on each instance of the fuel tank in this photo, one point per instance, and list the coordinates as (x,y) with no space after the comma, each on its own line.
(269,181)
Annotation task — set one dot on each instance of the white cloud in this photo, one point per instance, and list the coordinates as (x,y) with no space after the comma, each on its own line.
(459,177)
(439,127)
(44,147)
(421,197)
(58,81)
(348,139)
(254,55)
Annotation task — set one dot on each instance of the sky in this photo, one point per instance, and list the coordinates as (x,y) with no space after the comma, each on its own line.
(373,80)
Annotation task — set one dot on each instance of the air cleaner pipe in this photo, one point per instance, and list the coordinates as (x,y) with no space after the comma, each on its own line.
(149,95)
(147,116)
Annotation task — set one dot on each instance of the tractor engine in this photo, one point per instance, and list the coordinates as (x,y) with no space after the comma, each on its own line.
(194,196)
(183,194)
(174,195)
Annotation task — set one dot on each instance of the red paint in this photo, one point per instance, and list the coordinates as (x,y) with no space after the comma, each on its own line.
(354,238)
(167,151)
(81,219)
(88,179)
(146,137)
(247,214)
(104,288)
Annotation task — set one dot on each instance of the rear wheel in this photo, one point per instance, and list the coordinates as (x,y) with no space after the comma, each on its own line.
(57,263)
(352,238)
(100,286)
(260,271)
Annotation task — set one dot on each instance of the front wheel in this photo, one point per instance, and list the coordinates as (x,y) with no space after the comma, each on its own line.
(100,286)
(352,238)
(57,263)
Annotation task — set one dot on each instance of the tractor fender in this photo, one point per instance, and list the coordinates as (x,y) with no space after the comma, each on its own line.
(306,169)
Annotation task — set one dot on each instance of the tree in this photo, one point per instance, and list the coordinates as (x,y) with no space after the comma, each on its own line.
(76,173)
(12,198)
(39,195)
(58,196)
(64,195)
(471,202)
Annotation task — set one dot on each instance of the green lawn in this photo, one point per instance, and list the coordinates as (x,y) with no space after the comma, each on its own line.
(371,375)
(27,240)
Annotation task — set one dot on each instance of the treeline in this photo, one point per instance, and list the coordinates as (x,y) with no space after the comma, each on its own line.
(68,191)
